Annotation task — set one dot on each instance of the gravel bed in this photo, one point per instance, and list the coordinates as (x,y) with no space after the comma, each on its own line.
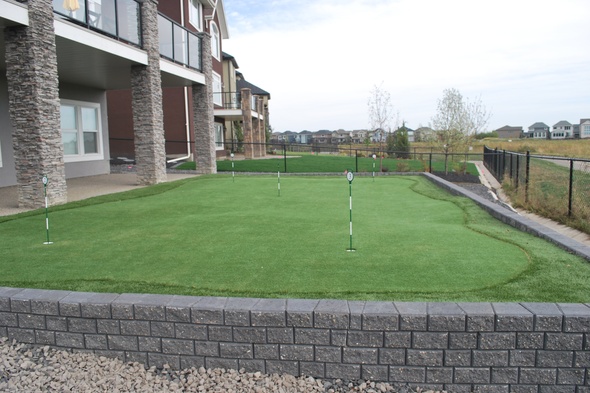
(28,368)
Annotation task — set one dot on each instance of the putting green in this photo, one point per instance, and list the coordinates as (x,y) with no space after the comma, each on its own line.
(214,235)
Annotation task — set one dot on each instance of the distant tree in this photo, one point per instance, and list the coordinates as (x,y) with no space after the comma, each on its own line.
(402,142)
(483,135)
(380,110)
(456,122)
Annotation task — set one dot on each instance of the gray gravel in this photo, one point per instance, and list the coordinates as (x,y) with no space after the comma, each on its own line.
(27,368)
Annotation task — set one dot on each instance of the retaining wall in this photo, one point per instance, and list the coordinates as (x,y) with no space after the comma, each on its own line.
(491,347)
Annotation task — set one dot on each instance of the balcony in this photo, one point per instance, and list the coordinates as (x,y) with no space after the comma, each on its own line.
(119,19)
(179,44)
(232,100)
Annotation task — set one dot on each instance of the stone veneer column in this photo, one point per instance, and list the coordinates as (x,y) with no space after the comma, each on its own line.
(33,95)
(146,93)
(261,124)
(204,150)
(247,123)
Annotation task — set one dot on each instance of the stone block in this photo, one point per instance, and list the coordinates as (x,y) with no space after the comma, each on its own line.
(206,348)
(123,343)
(356,313)
(266,351)
(300,312)
(149,344)
(312,336)
(576,317)
(398,339)
(548,359)
(44,337)
(95,341)
(191,362)
(564,341)
(365,339)
(122,311)
(523,358)
(338,337)
(332,314)
(457,358)
(183,330)
(312,369)
(70,310)
(20,306)
(139,328)
(413,315)
(178,347)
(392,356)
(382,316)
(250,335)
(374,373)
(269,312)
(582,359)
(571,376)
(548,316)
(5,294)
(237,311)
(343,371)
(108,326)
(178,314)
(416,357)
(168,329)
(462,340)
(296,352)
(30,321)
(69,340)
(538,376)
(208,311)
(360,355)
(82,325)
(428,340)
(328,354)
(490,358)
(21,335)
(282,367)
(238,351)
(472,375)
(159,360)
(530,340)
(445,317)
(504,375)
(497,340)
(407,374)
(280,335)
(148,312)
(220,333)
(512,317)
(252,365)
(439,374)
(56,323)
(8,319)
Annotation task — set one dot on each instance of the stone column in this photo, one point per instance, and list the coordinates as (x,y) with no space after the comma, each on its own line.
(261,124)
(33,95)
(247,123)
(256,137)
(203,114)
(146,101)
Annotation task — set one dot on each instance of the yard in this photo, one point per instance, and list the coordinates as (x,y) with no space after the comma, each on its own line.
(218,235)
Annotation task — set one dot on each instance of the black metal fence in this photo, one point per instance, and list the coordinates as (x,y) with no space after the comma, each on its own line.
(556,187)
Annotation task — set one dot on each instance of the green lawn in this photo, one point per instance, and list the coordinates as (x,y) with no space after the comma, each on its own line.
(308,163)
(216,236)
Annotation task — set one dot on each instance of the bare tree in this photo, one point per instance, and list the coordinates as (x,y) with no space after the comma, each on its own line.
(456,122)
(380,111)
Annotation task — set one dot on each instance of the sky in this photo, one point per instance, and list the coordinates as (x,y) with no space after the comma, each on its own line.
(527,61)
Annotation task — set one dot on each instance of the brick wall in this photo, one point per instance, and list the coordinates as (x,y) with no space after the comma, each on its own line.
(492,347)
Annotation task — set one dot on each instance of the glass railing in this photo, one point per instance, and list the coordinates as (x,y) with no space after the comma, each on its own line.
(120,19)
(179,44)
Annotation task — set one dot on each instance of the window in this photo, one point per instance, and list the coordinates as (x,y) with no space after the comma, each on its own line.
(81,131)
(196,14)
(218,136)
(586,131)
(217,90)
(215,42)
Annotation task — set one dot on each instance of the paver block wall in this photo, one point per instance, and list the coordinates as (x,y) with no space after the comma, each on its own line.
(492,347)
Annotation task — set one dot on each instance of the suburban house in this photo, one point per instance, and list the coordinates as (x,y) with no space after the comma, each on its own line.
(508,132)
(538,130)
(584,128)
(562,130)
(78,74)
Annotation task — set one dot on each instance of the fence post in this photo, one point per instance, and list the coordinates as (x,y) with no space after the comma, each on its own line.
(356,159)
(571,190)
(285,156)
(526,180)
(430,163)
(517,170)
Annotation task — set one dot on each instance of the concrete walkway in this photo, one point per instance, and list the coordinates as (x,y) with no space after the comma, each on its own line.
(83,188)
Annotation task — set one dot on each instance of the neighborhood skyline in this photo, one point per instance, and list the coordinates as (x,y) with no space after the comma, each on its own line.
(525,60)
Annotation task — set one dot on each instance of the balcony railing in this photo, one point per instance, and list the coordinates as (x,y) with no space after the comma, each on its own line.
(179,44)
(232,100)
(120,19)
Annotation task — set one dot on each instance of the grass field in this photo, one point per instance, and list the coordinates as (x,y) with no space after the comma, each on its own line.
(215,236)
(328,163)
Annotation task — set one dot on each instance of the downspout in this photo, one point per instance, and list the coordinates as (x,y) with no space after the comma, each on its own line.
(186,116)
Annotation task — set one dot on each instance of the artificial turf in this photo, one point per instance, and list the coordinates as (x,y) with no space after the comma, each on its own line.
(218,235)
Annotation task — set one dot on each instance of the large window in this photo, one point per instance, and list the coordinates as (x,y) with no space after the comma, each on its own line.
(217,90)
(196,14)
(218,136)
(215,42)
(81,131)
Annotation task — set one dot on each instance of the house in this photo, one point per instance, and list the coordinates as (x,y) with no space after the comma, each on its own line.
(304,137)
(508,132)
(584,128)
(322,137)
(59,63)
(562,130)
(538,130)
(423,134)
(379,136)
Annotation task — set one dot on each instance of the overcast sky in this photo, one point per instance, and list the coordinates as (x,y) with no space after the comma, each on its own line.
(527,60)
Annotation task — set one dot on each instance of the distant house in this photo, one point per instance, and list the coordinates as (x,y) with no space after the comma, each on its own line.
(379,135)
(304,137)
(584,129)
(422,134)
(538,130)
(508,132)
(562,130)
(322,137)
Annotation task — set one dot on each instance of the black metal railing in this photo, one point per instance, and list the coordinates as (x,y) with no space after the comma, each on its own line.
(556,187)
(119,19)
(229,100)
(179,44)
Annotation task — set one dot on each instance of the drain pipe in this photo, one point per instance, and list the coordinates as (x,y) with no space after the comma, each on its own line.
(186,116)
